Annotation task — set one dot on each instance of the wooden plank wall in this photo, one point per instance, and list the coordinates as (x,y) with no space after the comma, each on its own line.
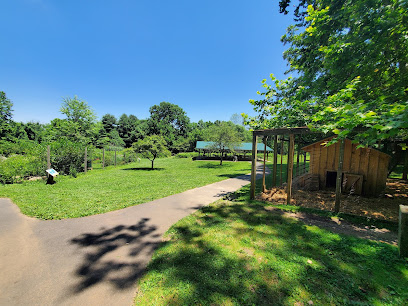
(370,163)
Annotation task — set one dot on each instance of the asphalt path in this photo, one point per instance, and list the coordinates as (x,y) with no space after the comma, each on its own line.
(93,260)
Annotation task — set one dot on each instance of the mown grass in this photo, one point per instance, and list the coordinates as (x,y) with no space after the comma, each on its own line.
(239,253)
(100,191)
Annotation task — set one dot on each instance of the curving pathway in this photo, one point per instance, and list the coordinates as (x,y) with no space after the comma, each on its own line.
(94,260)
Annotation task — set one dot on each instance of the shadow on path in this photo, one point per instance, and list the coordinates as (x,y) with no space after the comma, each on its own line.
(115,255)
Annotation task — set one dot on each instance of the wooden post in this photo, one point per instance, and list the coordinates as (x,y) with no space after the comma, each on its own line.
(86,160)
(304,162)
(103,158)
(403,231)
(48,157)
(264,166)
(50,178)
(405,169)
(275,159)
(339,176)
(281,162)
(253,168)
(298,160)
(291,153)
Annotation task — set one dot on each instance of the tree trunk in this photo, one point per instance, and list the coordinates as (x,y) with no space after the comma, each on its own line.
(152,163)
(221,160)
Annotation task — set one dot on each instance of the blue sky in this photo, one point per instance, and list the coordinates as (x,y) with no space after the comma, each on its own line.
(124,56)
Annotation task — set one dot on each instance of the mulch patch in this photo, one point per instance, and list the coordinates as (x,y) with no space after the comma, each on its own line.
(385,206)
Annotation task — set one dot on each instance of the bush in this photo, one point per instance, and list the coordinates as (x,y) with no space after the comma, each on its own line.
(15,168)
(186,155)
(130,155)
(68,157)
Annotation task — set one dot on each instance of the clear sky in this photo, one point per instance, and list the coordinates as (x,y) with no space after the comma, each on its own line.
(124,56)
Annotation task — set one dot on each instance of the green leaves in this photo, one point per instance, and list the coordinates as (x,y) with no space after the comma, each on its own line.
(351,65)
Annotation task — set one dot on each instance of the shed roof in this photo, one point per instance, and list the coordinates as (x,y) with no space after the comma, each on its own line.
(245,146)
(309,147)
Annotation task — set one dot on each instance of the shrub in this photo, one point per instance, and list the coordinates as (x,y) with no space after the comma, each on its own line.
(15,168)
(130,155)
(67,156)
(186,155)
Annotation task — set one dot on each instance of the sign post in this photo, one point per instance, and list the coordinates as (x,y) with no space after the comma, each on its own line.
(51,174)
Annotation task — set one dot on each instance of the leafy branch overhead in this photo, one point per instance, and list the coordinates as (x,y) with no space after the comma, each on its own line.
(350,64)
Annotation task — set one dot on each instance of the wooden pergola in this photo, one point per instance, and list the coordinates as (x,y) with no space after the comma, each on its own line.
(275,133)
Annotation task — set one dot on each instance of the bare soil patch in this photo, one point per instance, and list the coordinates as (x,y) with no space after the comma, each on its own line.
(385,206)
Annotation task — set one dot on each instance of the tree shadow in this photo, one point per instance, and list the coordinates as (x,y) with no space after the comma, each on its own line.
(213,166)
(241,253)
(143,168)
(117,255)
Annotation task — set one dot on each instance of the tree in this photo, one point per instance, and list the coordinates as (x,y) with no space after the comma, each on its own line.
(108,122)
(131,129)
(168,120)
(151,147)
(224,137)
(80,116)
(5,115)
(350,59)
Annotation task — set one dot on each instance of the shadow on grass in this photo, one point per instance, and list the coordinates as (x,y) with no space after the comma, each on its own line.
(116,255)
(213,166)
(241,253)
(143,168)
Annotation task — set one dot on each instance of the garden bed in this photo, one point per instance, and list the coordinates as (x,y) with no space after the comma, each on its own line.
(385,207)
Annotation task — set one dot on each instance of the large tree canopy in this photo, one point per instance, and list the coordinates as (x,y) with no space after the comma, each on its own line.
(350,61)
(168,120)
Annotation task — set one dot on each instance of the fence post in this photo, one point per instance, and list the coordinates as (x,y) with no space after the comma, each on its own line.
(86,160)
(48,157)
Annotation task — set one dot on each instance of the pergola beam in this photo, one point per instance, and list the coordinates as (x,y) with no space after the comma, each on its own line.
(282,131)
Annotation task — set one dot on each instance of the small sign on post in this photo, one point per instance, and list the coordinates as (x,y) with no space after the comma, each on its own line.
(51,174)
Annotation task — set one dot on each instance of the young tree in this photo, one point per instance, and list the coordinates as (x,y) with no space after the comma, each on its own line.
(224,137)
(151,147)
(80,116)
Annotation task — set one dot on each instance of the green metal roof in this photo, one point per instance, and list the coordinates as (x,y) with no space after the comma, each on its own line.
(245,146)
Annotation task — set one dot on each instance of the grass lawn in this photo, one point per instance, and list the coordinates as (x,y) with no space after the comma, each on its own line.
(237,252)
(100,191)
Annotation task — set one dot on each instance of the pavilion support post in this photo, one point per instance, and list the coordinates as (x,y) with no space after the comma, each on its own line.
(264,166)
(291,153)
(275,159)
(253,168)
(339,176)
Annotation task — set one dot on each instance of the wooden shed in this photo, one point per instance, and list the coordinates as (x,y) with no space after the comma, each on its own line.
(365,170)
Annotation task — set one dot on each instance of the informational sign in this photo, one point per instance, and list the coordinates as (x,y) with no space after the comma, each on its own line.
(52,172)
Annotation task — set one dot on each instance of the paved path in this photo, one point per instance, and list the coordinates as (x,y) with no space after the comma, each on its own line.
(94,260)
